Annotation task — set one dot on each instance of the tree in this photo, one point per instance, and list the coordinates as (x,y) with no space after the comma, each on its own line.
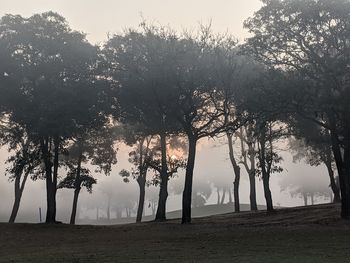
(312,143)
(139,157)
(55,86)
(304,186)
(268,133)
(25,161)
(95,146)
(311,38)
(248,156)
(143,64)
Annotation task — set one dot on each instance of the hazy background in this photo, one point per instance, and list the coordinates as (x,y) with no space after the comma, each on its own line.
(100,18)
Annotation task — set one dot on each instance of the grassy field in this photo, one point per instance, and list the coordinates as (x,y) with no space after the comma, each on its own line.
(311,234)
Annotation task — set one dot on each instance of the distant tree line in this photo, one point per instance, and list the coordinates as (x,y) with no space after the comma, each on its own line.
(65,102)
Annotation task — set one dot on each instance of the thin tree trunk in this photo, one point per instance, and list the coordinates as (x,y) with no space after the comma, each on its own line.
(305,199)
(141,182)
(343,166)
(223,195)
(333,184)
(163,191)
(252,194)
(237,172)
(77,187)
(267,193)
(109,208)
(229,196)
(187,193)
(218,194)
(19,187)
(75,204)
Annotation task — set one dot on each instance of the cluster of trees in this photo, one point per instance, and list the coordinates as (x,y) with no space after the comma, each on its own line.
(65,102)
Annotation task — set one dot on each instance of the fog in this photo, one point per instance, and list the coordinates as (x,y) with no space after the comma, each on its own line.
(212,167)
(100,19)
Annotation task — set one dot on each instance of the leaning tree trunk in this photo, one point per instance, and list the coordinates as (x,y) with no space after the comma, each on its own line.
(75,205)
(19,187)
(237,172)
(77,187)
(187,193)
(346,181)
(333,184)
(141,180)
(343,166)
(267,192)
(163,191)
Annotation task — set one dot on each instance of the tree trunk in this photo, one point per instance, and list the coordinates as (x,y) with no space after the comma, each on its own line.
(223,195)
(333,184)
(75,204)
(229,196)
(109,208)
(163,191)
(218,194)
(77,186)
(252,194)
(142,183)
(267,192)
(345,195)
(305,199)
(18,193)
(343,166)
(50,210)
(237,172)
(187,193)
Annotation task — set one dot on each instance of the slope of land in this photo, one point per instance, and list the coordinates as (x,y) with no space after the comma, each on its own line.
(304,234)
(207,210)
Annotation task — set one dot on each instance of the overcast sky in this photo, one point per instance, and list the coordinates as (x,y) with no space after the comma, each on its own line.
(97,18)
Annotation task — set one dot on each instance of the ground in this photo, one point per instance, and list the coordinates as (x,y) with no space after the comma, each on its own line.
(305,234)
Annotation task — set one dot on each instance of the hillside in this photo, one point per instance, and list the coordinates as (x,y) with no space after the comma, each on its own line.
(303,234)
(201,211)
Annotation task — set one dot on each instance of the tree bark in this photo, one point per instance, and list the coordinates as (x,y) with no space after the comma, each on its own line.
(187,193)
(142,184)
(252,194)
(343,166)
(163,191)
(333,184)
(50,211)
(19,187)
(237,172)
(77,187)
(75,204)
(267,192)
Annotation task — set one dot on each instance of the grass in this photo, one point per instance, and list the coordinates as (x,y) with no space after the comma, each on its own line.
(306,234)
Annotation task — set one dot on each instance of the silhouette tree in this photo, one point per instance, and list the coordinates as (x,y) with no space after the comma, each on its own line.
(310,38)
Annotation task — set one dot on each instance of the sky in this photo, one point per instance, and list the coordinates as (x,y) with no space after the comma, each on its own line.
(100,18)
